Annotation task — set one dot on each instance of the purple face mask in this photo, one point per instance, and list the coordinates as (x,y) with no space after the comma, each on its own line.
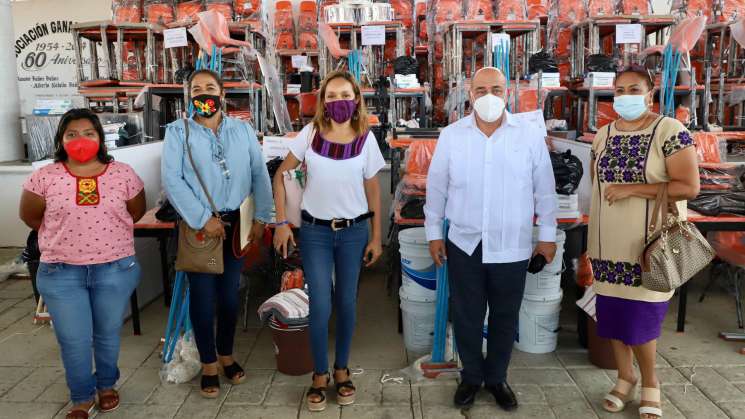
(341,110)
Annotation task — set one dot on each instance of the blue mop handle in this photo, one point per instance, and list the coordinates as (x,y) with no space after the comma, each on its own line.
(441,313)
(183,314)
(177,286)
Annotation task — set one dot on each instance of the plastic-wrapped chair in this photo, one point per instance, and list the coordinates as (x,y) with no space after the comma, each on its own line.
(187,11)
(307,102)
(447,11)
(731,10)
(568,11)
(403,11)
(635,7)
(247,9)
(127,11)
(307,19)
(307,40)
(537,8)
(480,9)
(601,8)
(224,7)
(512,10)
(159,11)
(707,147)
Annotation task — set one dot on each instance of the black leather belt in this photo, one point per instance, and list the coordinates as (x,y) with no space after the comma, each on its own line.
(230,216)
(336,224)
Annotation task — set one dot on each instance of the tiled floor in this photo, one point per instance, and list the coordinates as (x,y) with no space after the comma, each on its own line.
(703,377)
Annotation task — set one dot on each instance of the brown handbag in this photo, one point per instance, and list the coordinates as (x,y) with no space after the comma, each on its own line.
(197,252)
(674,253)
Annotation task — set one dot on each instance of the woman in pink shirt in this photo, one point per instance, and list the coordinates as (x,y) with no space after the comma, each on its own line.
(84,206)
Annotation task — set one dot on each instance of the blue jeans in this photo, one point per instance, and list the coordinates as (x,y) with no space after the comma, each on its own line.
(87,305)
(207,293)
(322,250)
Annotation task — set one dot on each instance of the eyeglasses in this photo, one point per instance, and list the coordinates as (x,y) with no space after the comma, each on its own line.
(219,157)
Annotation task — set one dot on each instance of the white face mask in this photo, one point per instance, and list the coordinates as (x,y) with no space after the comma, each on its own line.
(489,107)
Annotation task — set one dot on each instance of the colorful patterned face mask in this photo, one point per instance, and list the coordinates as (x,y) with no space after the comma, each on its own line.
(206,105)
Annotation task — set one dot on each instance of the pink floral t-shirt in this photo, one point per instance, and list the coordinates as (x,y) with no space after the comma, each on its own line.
(86,219)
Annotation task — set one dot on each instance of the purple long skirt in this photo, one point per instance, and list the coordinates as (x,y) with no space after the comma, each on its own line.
(630,321)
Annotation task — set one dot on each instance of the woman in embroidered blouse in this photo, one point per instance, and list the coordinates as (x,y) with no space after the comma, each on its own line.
(630,158)
(84,206)
(228,157)
(342,192)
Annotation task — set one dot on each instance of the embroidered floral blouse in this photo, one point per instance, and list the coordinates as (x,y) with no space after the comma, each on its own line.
(617,233)
(86,219)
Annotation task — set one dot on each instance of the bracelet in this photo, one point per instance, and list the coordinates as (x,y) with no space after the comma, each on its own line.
(282,223)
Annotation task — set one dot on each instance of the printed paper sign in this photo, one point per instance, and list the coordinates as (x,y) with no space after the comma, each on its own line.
(174,38)
(299,61)
(629,34)
(373,35)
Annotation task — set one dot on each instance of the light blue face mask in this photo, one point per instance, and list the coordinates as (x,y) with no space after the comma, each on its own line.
(630,107)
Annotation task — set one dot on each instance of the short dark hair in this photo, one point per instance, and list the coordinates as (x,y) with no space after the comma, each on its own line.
(60,155)
(211,73)
(642,71)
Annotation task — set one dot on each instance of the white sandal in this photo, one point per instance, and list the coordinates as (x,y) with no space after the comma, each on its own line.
(651,394)
(622,387)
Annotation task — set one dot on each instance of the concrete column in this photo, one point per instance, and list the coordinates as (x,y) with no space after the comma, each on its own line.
(11,145)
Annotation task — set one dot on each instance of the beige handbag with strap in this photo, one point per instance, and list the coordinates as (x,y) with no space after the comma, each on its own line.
(197,252)
(675,252)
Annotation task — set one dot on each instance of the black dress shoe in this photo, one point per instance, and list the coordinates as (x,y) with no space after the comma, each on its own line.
(504,396)
(466,394)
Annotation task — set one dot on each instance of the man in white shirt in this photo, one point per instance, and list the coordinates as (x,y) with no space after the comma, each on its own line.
(490,175)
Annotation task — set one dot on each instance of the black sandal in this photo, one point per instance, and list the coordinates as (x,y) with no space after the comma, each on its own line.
(235,373)
(341,399)
(210,382)
(320,404)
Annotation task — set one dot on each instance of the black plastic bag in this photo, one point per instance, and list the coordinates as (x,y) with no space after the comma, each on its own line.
(600,63)
(405,65)
(567,172)
(542,61)
(167,213)
(715,203)
(413,209)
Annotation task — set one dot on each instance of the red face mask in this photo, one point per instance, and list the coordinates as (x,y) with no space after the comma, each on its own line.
(82,149)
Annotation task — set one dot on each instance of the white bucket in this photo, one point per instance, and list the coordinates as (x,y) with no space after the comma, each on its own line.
(543,284)
(556,265)
(418,271)
(418,320)
(538,329)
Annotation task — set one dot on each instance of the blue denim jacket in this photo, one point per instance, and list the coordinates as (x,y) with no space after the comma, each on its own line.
(234,150)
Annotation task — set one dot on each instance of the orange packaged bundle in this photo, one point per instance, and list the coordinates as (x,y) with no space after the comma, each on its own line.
(419,157)
(307,21)
(636,7)
(292,280)
(403,11)
(159,11)
(187,11)
(537,8)
(129,69)
(247,9)
(564,42)
(307,40)
(601,8)
(127,11)
(480,10)
(707,147)
(421,18)
(285,40)
(512,10)
(224,7)
(447,11)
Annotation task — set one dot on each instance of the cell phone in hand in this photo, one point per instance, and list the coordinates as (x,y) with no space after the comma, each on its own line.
(536,264)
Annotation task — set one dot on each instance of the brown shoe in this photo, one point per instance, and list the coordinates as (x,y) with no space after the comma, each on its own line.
(81,412)
(108,400)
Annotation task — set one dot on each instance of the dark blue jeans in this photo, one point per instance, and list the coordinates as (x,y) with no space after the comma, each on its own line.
(208,293)
(87,304)
(472,285)
(324,250)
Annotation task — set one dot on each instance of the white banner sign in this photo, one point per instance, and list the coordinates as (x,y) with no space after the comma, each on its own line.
(373,35)
(629,33)
(174,38)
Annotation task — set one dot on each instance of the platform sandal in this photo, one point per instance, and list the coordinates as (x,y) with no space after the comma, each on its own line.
(210,386)
(651,395)
(320,404)
(234,373)
(627,391)
(342,399)
(108,400)
(80,413)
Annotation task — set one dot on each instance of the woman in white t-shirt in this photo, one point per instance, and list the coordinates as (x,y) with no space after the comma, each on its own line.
(341,194)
